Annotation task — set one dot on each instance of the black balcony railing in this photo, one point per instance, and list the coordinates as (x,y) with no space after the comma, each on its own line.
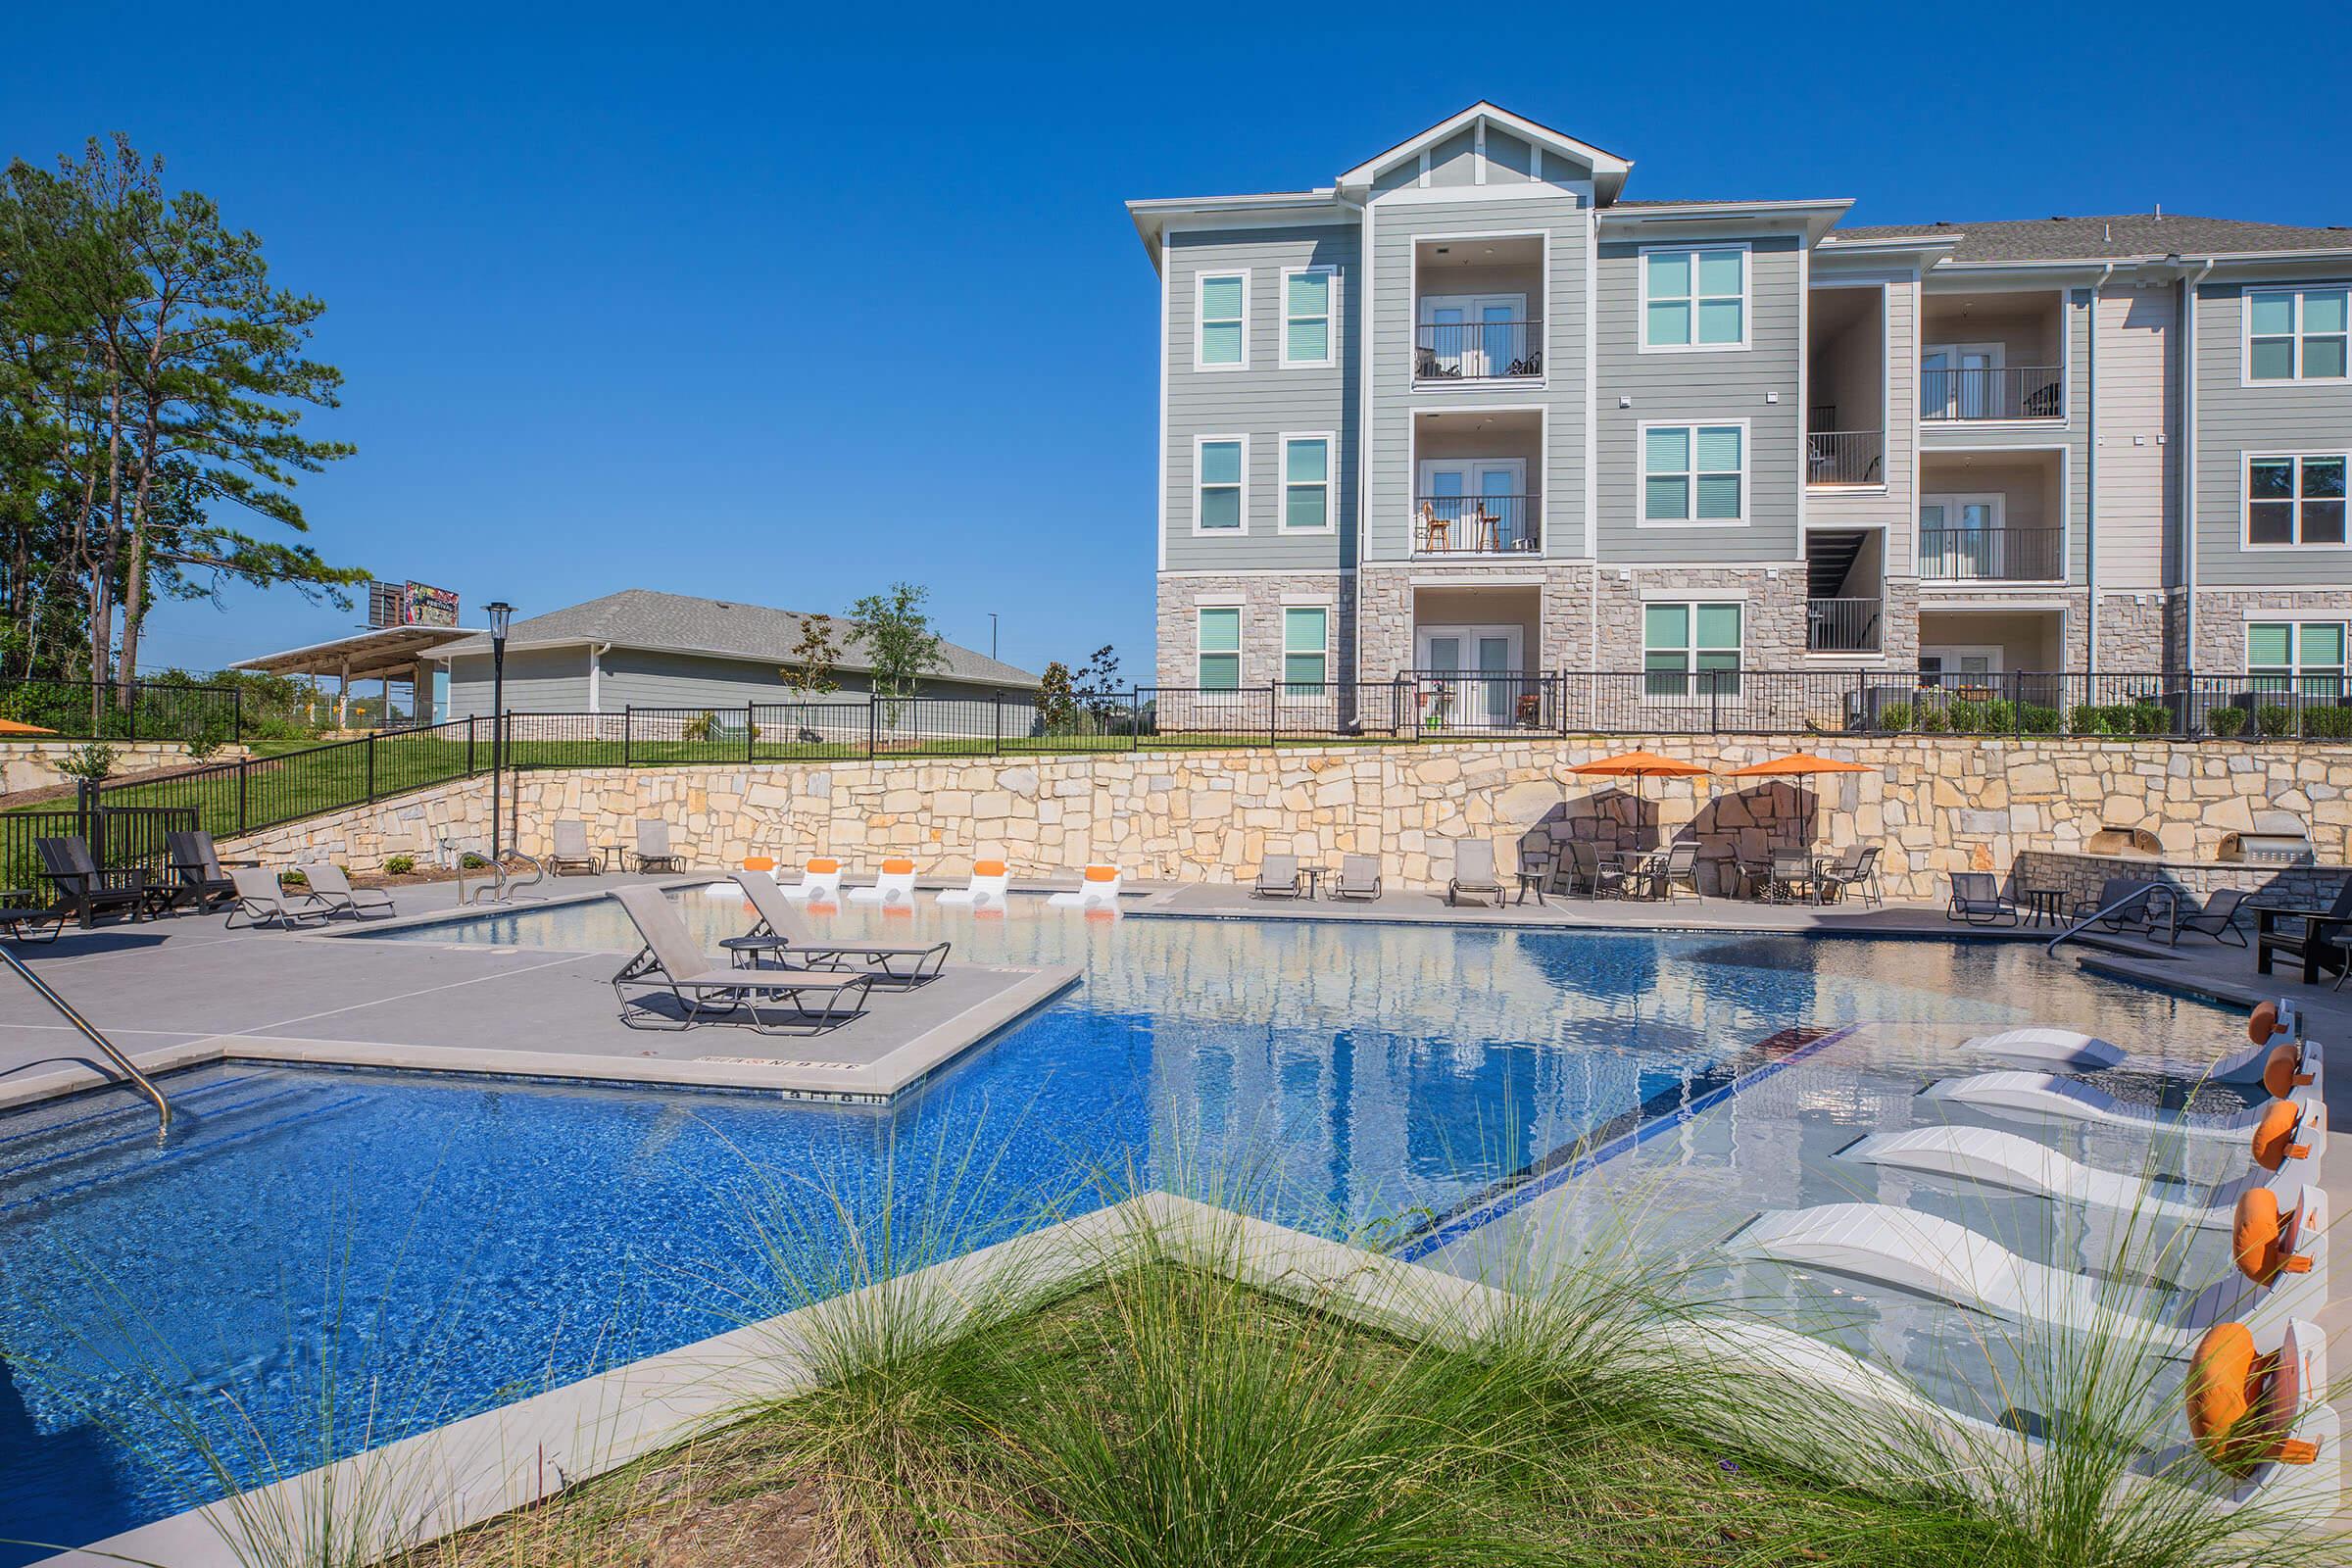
(1475,525)
(1998,392)
(1846,457)
(1841,626)
(1992,554)
(1478,351)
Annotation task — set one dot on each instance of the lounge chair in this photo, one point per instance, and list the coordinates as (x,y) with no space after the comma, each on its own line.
(1474,873)
(196,871)
(328,883)
(2048,1099)
(894,889)
(990,886)
(571,852)
(706,991)
(1978,900)
(654,852)
(1680,873)
(21,913)
(1097,889)
(897,964)
(86,890)
(1278,879)
(1358,878)
(261,899)
(2269,1029)
(819,883)
(1857,869)
(2216,917)
(2135,893)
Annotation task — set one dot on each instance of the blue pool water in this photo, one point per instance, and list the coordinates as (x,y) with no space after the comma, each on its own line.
(423,1246)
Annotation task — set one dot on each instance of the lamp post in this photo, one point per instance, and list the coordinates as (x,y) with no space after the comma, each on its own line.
(501,612)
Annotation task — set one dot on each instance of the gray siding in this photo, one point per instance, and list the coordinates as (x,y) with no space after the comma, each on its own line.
(539,680)
(1700,387)
(2138,378)
(645,677)
(1389,490)
(2235,420)
(1263,400)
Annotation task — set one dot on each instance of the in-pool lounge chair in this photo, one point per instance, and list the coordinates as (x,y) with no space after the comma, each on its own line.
(904,965)
(2045,1098)
(704,990)
(990,885)
(1474,873)
(819,883)
(571,851)
(261,900)
(1278,877)
(198,881)
(1097,889)
(1358,878)
(87,892)
(894,889)
(1977,898)
(328,882)
(2269,1030)
(654,852)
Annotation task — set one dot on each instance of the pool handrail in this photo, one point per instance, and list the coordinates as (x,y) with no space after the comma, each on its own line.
(91,1032)
(2143,890)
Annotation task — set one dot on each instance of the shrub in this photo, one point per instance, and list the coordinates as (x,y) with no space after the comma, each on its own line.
(1966,716)
(1932,722)
(91,763)
(207,741)
(2147,718)
(399,864)
(699,729)
(2087,718)
(293,878)
(1999,715)
(2226,720)
(471,862)
(1894,717)
(2273,720)
(2328,723)
(2035,719)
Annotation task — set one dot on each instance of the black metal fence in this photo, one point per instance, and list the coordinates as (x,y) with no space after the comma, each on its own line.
(257,792)
(120,839)
(145,711)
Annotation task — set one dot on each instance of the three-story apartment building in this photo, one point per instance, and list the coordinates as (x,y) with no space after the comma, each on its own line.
(1469,408)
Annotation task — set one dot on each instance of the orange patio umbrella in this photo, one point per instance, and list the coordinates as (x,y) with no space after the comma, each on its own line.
(1638,766)
(10,726)
(1798,765)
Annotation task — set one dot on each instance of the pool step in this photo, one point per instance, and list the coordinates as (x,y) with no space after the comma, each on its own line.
(130,1150)
(103,1109)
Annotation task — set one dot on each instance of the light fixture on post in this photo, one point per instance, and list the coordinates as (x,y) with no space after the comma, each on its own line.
(501,615)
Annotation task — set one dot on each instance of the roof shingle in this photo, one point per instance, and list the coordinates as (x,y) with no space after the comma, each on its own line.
(2114,237)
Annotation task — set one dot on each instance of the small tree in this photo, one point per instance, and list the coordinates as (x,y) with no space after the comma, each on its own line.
(1056,702)
(901,645)
(815,657)
(1096,678)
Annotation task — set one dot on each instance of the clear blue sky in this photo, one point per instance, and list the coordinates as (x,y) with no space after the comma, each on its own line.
(751,306)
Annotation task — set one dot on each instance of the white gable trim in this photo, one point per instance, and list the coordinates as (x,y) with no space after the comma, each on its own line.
(1608,169)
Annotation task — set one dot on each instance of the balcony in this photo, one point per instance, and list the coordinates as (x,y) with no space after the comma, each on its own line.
(1836,458)
(1476,526)
(1478,351)
(1991,555)
(1992,392)
(1843,626)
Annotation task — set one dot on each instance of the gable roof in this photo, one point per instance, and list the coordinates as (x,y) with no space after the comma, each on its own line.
(2123,236)
(641,617)
(1608,169)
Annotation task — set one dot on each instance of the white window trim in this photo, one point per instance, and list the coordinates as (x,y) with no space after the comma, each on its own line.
(2247,335)
(1282,481)
(1243,531)
(1331,319)
(1691,693)
(1748,466)
(1747,290)
(1241,643)
(2245,499)
(1201,322)
(1282,672)
(2296,671)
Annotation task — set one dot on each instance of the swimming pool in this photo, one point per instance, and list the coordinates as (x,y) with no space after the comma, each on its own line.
(487,1238)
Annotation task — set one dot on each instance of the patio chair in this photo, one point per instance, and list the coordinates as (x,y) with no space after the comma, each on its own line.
(904,965)
(1857,869)
(87,892)
(1278,877)
(1358,878)
(2216,917)
(2117,890)
(1539,868)
(1791,878)
(196,871)
(1589,872)
(706,991)
(2332,935)
(992,881)
(1680,873)
(329,884)
(654,852)
(893,887)
(1978,900)
(819,883)
(21,911)
(571,852)
(1097,889)
(261,900)
(1474,873)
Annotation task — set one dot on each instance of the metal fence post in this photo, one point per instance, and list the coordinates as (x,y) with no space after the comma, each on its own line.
(470,722)
(628,725)
(751,734)
(1273,706)
(869,726)
(1714,703)
(244,769)
(1135,718)
(996,703)
(236,713)
(133,707)
(372,767)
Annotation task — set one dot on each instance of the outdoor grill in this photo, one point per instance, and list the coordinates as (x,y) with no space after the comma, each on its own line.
(2278,838)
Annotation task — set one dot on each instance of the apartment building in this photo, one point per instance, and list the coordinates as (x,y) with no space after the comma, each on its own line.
(1471,408)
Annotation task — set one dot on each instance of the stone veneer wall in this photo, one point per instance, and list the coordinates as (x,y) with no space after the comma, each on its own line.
(2134,632)
(2083,876)
(361,836)
(1772,622)
(2222,616)
(32,764)
(1261,596)
(1934,803)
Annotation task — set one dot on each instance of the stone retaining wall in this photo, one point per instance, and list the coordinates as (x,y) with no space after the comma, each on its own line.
(1934,803)
(2081,876)
(32,764)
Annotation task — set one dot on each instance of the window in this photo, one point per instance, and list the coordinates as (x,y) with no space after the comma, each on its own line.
(1693,473)
(2293,500)
(1305,650)
(1224,331)
(1220,464)
(2287,654)
(1220,648)
(1306,317)
(1306,481)
(1679,640)
(1694,298)
(2296,334)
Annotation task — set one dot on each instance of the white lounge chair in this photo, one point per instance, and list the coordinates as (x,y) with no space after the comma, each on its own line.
(894,964)
(1473,873)
(2281,1270)
(706,990)
(261,901)
(1097,889)
(990,887)
(2044,1096)
(571,852)
(894,889)
(331,886)
(654,849)
(819,883)
(2069,1051)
